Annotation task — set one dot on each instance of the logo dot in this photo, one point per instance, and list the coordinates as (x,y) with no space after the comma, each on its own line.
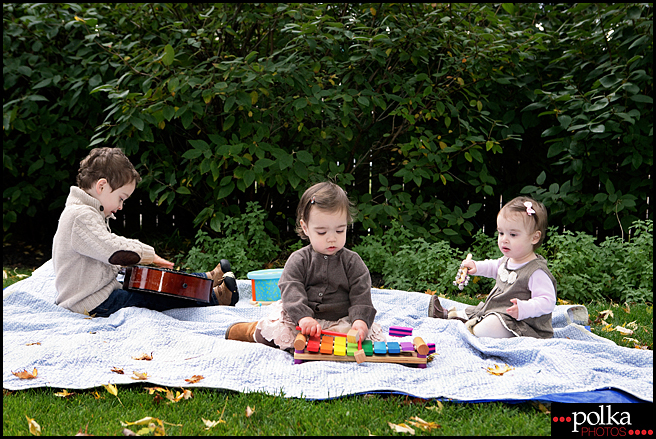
(630,432)
(562,419)
(637,432)
(644,432)
(568,419)
(555,419)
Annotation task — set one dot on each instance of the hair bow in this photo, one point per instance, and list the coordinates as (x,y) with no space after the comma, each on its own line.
(529,208)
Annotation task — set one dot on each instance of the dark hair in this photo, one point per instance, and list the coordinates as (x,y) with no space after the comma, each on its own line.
(326,196)
(535,221)
(108,163)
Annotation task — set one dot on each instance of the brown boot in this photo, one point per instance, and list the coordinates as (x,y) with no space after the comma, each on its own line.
(226,291)
(241,331)
(435,308)
(219,271)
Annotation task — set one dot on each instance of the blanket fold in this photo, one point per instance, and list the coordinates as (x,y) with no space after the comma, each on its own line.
(73,351)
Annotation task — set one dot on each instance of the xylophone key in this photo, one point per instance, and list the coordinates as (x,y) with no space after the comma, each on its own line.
(351,349)
(393,347)
(314,343)
(380,348)
(326,345)
(407,346)
(368,348)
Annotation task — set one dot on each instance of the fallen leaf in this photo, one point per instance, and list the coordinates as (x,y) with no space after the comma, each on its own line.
(499,370)
(195,379)
(118,370)
(144,356)
(606,314)
(623,330)
(152,427)
(212,424)
(428,426)
(543,408)
(178,396)
(64,394)
(139,375)
(401,428)
(111,388)
(439,406)
(25,375)
(97,395)
(249,411)
(35,428)
(563,302)
(152,390)
(86,431)
(432,293)
(631,325)
(38,343)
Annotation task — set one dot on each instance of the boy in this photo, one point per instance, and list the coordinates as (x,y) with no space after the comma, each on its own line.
(86,255)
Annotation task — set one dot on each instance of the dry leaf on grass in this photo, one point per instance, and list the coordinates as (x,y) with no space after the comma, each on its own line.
(211,424)
(111,388)
(249,411)
(499,370)
(144,356)
(152,390)
(25,375)
(35,428)
(439,406)
(154,426)
(622,330)
(418,422)
(64,394)
(186,394)
(401,428)
(139,375)
(86,431)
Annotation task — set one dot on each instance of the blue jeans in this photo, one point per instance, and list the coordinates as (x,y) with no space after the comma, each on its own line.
(158,302)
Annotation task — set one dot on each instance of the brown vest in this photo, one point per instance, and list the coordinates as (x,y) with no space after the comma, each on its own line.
(513,284)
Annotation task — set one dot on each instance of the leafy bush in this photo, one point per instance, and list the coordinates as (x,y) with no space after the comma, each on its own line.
(414,107)
(244,242)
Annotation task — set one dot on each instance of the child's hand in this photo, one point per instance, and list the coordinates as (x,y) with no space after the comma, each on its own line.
(362,328)
(161,262)
(513,311)
(470,265)
(309,326)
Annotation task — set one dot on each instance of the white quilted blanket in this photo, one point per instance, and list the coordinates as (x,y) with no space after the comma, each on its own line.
(73,352)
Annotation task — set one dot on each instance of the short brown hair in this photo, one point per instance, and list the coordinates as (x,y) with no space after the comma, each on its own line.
(535,221)
(326,196)
(108,163)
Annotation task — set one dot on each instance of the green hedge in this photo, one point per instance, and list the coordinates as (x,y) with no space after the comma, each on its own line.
(426,113)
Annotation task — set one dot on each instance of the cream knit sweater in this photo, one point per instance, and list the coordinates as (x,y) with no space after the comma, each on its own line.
(82,249)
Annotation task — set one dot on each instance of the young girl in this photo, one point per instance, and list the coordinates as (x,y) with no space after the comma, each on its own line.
(521,302)
(87,256)
(323,285)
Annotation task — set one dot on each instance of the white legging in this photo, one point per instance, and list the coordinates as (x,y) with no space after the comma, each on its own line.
(492,327)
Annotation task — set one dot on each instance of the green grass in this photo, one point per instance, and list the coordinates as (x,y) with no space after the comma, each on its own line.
(100,413)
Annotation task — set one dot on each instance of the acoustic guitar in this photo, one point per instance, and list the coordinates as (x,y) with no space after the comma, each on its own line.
(168,282)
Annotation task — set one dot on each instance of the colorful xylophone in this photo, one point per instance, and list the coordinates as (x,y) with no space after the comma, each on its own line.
(337,348)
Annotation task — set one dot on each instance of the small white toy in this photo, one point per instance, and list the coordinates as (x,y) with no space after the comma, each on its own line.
(462,278)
